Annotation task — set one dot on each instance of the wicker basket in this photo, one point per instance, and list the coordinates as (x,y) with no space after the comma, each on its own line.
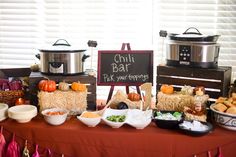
(9,97)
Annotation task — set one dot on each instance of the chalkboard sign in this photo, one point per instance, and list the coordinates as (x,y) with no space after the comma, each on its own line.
(125,67)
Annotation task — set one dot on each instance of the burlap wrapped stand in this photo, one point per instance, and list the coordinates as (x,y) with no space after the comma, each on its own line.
(73,101)
(181,102)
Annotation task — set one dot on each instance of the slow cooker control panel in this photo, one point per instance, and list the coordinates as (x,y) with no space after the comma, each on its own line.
(184,54)
(56,67)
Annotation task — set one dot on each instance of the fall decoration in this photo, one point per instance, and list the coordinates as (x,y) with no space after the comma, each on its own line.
(47,85)
(77,86)
(199,90)
(167,89)
(134,96)
(120,96)
(187,90)
(63,86)
(74,102)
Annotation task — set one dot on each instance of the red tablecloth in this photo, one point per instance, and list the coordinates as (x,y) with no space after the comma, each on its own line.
(73,139)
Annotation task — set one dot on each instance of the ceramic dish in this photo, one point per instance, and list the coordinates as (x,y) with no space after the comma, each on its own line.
(89,121)
(139,119)
(225,120)
(55,116)
(22,113)
(202,128)
(3,111)
(167,123)
(113,112)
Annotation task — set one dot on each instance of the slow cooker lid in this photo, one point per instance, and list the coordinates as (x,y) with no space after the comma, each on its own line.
(61,45)
(194,36)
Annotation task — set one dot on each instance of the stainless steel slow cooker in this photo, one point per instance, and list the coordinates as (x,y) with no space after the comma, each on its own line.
(192,49)
(62,58)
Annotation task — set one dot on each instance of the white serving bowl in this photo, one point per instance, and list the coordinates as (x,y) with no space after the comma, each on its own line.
(55,119)
(22,113)
(139,119)
(224,120)
(3,111)
(109,112)
(90,122)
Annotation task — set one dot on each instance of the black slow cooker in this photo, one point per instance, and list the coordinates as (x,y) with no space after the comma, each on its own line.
(192,49)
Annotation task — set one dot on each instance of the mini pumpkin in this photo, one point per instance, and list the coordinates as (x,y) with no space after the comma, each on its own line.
(47,85)
(77,86)
(134,96)
(63,86)
(167,89)
(199,90)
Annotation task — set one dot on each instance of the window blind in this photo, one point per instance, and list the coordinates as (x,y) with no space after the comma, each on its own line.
(18,32)
(26,25)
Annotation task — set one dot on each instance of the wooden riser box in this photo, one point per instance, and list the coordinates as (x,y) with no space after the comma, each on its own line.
(216,81)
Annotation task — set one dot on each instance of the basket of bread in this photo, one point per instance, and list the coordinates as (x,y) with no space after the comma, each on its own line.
(224,112)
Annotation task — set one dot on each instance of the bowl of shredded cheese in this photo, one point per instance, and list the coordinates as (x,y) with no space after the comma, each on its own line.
(55,116)
(91,119)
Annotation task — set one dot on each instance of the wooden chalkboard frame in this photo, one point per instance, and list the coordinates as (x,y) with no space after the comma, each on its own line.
(150,73)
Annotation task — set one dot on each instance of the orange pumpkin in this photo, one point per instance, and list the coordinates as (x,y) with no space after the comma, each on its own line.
(167,89)
(77,86)
(47,85)
(41,84)
(134,97)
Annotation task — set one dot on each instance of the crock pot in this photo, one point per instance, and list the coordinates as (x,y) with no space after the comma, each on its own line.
(62,58)
(192,49)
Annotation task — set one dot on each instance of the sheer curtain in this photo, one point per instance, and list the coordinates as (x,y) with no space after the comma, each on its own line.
(26,25)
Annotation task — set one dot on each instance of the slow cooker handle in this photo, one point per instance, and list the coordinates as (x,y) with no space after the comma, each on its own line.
(37,56)
(85,57)
(61,44)
(198,32)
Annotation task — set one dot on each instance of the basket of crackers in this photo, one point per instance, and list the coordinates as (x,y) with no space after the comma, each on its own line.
(10,91)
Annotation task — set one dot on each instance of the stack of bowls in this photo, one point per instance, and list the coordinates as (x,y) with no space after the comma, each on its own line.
(22,113)
(3,111)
